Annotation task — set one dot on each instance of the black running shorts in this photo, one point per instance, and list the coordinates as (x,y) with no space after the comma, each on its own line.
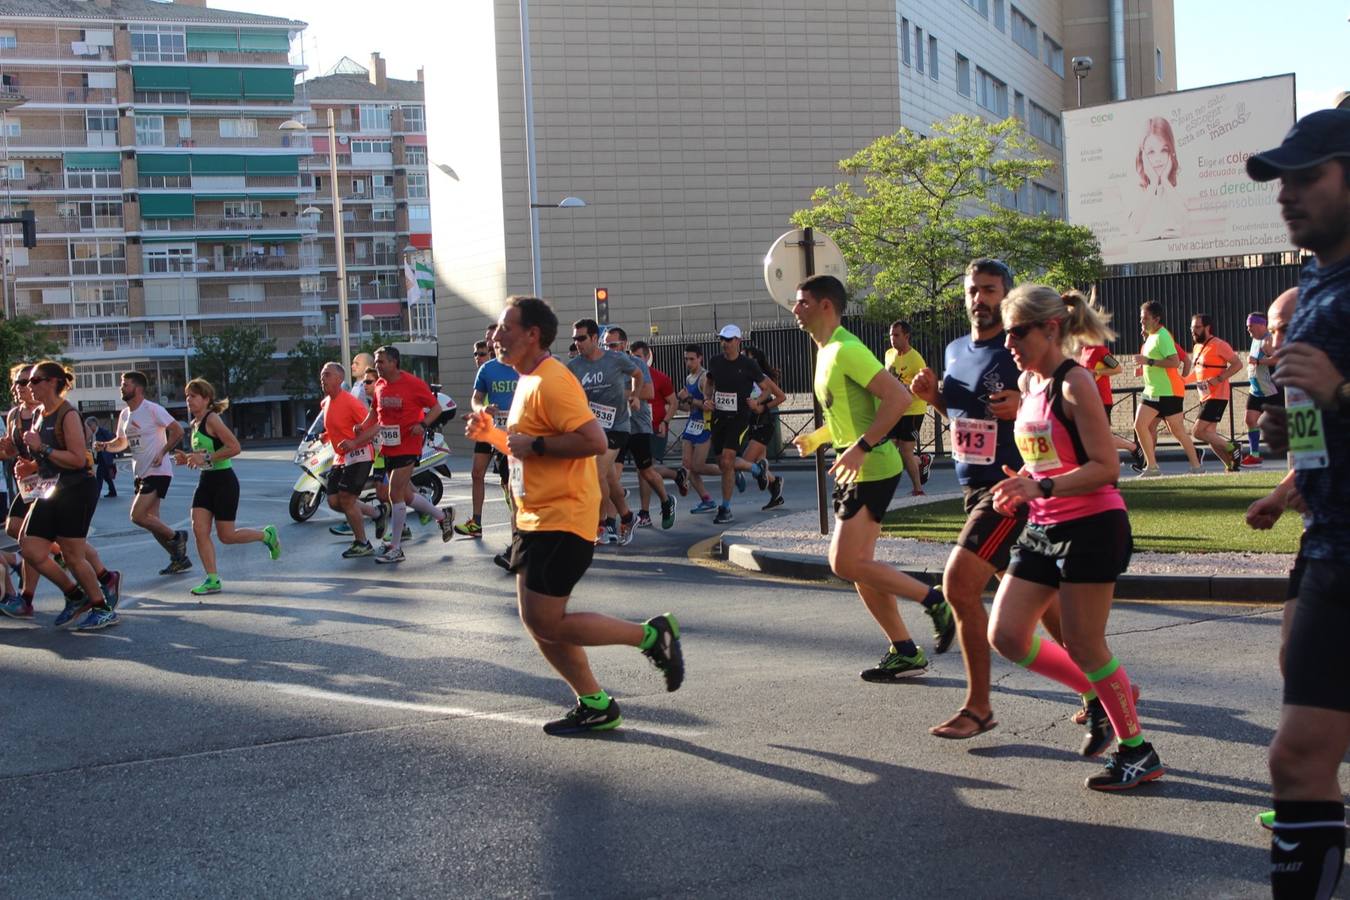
(1213,410)
(989,534)
(1095,549)
(349,478)
(1257,404)
(551,561)
(617,440)
(483,447)
(153,484)
(17,507)
(66,513)
(761,429)
(874,495)
(1316,665)
(727,432)
(1165,407)
(640,449)
(218,493)
(402,461)
(907,429)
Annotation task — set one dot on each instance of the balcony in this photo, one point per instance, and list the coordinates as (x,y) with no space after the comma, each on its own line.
(271,307)
(156,266)
(71,137)
(267,138)
(74,224)
(234,224)
(111,267)
(67,96)
(68,50)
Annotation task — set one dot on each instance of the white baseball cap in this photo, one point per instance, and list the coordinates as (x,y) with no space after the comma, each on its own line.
(730,331)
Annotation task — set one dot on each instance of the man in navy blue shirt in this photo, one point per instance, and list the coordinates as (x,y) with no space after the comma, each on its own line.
(978,394)
(1308,847)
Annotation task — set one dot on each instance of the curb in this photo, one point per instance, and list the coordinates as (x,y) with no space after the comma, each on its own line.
(810,567)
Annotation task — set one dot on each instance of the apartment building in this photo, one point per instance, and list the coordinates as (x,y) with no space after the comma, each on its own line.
(168,198)
(693,131)
(380,125)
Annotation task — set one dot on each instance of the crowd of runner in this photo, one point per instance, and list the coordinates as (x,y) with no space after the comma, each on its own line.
(1027,396)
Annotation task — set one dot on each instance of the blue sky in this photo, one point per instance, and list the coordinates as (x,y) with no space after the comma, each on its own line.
(1231,40)
(1217,40)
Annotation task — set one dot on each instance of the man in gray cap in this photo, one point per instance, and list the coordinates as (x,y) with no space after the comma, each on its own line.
(1308,846)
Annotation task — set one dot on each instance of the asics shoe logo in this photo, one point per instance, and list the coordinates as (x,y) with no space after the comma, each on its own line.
(1287,846)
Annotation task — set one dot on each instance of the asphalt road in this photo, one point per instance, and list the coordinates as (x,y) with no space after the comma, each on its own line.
(330,727)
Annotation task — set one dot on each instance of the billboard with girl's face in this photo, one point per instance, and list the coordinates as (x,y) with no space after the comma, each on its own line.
(1165,177)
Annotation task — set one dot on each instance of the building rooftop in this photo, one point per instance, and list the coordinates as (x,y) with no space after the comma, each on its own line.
(358,87)
(138,10)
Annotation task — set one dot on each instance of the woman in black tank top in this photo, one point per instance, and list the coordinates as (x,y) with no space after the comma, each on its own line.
(64,505)
(17,421)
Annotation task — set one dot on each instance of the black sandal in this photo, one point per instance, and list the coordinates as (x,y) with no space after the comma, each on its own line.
(981,726)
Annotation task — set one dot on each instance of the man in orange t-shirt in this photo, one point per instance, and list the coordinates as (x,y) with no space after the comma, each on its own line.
(551,441)
(342,413)
(1215,363)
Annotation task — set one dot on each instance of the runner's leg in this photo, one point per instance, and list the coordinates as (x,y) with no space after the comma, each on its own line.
(1144,419)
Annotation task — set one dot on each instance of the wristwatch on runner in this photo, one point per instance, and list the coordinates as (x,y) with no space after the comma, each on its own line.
(1047,487)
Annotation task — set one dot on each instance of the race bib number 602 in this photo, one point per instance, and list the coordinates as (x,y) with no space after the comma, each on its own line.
(1307,438)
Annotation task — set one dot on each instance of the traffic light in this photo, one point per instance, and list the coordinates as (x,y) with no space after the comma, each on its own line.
(29,228)
(602,305)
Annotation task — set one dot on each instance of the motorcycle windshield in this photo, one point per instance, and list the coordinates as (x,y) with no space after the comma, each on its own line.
(315,428)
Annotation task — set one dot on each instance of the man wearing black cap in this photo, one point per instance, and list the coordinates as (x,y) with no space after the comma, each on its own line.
(1313,165)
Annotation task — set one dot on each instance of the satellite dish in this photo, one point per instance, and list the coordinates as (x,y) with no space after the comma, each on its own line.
(342,139)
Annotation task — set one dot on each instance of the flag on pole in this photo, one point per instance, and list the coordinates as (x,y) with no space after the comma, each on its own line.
(421,280)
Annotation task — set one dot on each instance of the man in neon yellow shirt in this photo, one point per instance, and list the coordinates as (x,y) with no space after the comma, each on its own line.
(862,402)
(904,362)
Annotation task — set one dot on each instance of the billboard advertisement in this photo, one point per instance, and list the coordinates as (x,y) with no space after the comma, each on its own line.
(1164,178)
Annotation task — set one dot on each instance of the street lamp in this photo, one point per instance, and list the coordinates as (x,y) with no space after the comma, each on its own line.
(536,262)
(339,239)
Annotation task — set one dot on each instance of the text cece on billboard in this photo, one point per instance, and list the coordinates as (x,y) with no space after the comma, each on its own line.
(1165,177)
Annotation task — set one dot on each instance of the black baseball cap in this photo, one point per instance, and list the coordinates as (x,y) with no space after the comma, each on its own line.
(1314,139)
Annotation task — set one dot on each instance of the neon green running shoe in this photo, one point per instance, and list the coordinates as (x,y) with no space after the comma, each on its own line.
(272,541)
(894,667)
(210,586)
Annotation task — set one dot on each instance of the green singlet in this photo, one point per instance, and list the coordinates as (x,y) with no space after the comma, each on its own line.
(205,443)
(844,368)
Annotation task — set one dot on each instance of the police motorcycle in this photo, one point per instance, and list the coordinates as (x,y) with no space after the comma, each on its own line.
(314,456)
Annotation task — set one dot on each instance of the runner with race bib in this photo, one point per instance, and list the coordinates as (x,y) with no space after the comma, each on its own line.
(697,436)
(493,388)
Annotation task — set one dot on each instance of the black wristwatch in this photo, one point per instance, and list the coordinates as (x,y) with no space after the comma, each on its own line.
(1047,487)
(1342,397)
(866,447)
(537,446)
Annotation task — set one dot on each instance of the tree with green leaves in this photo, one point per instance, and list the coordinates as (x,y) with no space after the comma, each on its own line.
(303,362)
(23,339)
(917,209)
(376,339)
(235,360)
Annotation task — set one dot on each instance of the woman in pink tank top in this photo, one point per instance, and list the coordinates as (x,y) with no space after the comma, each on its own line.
(1077,541)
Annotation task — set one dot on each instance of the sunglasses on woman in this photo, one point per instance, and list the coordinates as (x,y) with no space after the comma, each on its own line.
(1021,331)
(22,382)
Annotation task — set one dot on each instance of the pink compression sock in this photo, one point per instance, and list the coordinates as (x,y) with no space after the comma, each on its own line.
(1112,685)
(1051,660)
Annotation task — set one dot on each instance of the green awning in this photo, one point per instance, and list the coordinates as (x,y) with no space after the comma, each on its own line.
(156,111)
(215,84)
(275,238)
(269,84)
(166,206)
(160,78)
(218,164)
(212,40)
(163,164)
(221,196)
(265,41)
(93,161)
(166,239)
(225,239)
(274,165)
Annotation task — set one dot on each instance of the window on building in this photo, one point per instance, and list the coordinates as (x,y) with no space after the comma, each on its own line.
(903,37)
(93,178)
(101,376)
(918,49)
(999,20)
(1019,105)
(247,293)
(372,147)
(238,128)
(991,93)
(160,97)
(932,58)
(419,217)
(414,118)
(1024,32)
(161,181)
(980,6)
(97,214)
(242,209)
(8,40)
(382,213)
(1158,63)
(1044,200)
(963,75)
(150,131)
(359,187)
(14,171)
(313,284)
(13,128)
(101,127)
(1045,125)
(417,186)
(1053,55)
(385,254)
(98,257)
(383,187)
(415,156)
(184,128)
(168,257)
(374,117)
(158,43)
(99,301)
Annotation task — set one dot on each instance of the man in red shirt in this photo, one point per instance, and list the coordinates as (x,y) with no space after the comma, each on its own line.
(1215,363)
(342,413)
(398,421)
(663,408)
(1097,359)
